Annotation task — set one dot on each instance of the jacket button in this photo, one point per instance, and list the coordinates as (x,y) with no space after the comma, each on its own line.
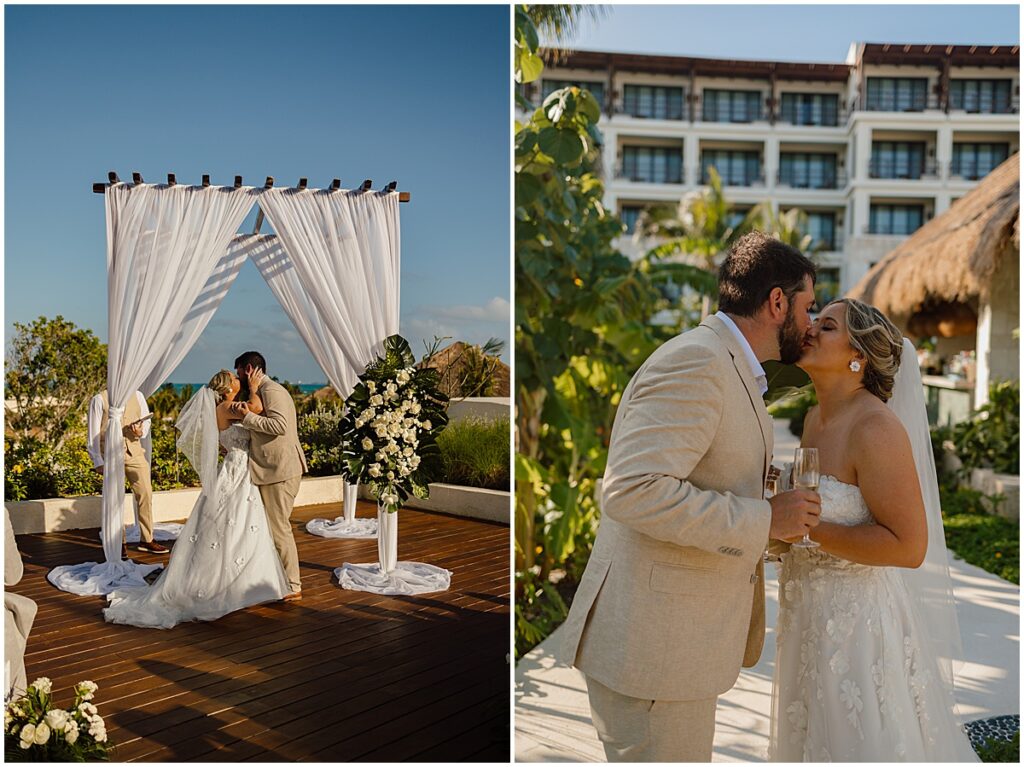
(753,578)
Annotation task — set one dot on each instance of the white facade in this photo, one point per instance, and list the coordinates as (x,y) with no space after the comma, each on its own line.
(865,177)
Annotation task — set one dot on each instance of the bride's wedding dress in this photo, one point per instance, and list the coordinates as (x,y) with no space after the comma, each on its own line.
(224,558)
(855,677)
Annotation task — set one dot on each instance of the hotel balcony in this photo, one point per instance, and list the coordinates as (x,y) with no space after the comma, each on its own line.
(902,169)
(811,179)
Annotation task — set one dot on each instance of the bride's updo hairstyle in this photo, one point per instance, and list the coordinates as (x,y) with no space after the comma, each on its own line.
(220,385)
(873,335)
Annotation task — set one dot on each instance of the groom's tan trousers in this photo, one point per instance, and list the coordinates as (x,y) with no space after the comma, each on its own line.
(638,730)
(278,500)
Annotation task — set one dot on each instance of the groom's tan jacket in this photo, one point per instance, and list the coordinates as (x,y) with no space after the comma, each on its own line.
(275,453)
(672,600)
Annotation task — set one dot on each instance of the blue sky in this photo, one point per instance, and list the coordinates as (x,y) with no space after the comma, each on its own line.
(814,33)
(418,94)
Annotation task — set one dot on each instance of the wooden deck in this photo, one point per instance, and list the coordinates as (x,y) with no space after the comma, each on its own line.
(339,676)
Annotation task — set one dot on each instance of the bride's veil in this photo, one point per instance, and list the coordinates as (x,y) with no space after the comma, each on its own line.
(930,585)
(198,437)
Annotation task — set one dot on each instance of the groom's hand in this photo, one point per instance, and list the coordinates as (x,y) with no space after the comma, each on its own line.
(794,513)
(241,409)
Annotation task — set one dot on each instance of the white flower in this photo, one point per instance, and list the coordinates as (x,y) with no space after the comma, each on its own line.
(408,452)
(391,388)
(28,735)
(87,709)
(71,732)
(42,684)
(390,499)
(850,695)
(427,425)
(402,377)
(376,400)
(367,443)
(374,470)
(42,734)
(391,475)
(57,718)
(368,414)
(404,471)
(371,386)
(415,408)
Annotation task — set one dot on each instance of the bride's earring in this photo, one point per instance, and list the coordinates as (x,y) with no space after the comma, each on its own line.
(855,366)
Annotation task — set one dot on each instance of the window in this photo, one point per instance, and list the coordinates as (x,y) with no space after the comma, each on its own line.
(984,96)
(737,168)
(810,109)
(596,88)
(897,94)
(826,286)
(732,106)
(897,159)
(661,103)
(973,160)
(630,214)
(895,219)
(735,217)
(822,228)
(652,164)
(807,171)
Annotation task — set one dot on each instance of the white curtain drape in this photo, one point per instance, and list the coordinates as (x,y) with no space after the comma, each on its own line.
(336,266)
(267,253)
(163,244)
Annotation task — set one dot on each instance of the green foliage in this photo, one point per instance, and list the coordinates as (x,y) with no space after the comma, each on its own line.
(53,369)
(990,439)
(540,609)
(169,468)
(390,427)
(475,453)
(320,436)
(995,750)
(582,330)
(33,469)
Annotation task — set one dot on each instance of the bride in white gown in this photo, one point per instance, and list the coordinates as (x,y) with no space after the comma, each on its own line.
(224,558)
(867,630)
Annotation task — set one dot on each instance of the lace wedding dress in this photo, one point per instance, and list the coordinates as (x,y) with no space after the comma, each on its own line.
(855,678)
(224,558)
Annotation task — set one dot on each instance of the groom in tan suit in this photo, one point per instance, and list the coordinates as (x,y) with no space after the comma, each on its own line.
(672,600)
(276,460)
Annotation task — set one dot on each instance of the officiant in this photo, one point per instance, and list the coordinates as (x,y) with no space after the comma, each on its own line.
(135,424)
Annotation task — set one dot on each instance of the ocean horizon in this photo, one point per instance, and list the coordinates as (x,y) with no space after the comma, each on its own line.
(305,388)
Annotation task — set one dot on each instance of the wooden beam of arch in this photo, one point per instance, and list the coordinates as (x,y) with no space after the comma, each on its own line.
(101,187)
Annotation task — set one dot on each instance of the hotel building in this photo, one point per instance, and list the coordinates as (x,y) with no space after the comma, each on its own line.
(871,148)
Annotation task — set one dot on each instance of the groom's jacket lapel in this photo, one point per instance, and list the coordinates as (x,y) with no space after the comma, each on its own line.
(739,361)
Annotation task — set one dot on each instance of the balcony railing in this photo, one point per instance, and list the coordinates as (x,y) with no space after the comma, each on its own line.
(989,107)
(900,104)
(833,244)
(869,230)
(643,177)
(658,114)
(824,118)
(735,179)
(803,179)
(717,114)
(902,169)
(969,171)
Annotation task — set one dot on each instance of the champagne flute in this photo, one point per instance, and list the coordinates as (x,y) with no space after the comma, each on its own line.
(771,487)
(806,475)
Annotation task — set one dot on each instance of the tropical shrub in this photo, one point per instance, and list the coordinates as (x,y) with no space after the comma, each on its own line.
(475,453)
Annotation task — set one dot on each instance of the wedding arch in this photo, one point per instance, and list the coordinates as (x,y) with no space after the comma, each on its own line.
(172,254)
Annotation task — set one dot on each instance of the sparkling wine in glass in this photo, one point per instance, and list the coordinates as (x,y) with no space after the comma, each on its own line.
(806,475)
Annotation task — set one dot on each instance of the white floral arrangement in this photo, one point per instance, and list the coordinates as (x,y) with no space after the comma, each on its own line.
(390,427)
(36,731)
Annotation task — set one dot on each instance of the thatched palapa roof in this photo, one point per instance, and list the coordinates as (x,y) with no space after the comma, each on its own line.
(955,256)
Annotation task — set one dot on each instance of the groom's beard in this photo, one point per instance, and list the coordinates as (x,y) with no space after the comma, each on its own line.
(790,339)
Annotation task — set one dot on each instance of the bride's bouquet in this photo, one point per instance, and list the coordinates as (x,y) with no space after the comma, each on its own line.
(36,731)
(390,427)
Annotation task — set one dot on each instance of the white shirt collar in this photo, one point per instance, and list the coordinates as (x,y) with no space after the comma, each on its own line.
(755,364)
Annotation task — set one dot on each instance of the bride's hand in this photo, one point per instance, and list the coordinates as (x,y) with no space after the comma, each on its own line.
(255,377)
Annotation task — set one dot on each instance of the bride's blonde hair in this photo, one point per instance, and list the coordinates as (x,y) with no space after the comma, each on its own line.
(872,334)
(220,384)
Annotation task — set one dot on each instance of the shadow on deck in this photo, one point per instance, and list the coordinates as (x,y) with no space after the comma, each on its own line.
(339,676)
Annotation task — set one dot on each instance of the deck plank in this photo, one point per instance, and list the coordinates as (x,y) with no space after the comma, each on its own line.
(338,676)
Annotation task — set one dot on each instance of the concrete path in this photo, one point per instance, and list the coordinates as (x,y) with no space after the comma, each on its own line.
(553,717)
